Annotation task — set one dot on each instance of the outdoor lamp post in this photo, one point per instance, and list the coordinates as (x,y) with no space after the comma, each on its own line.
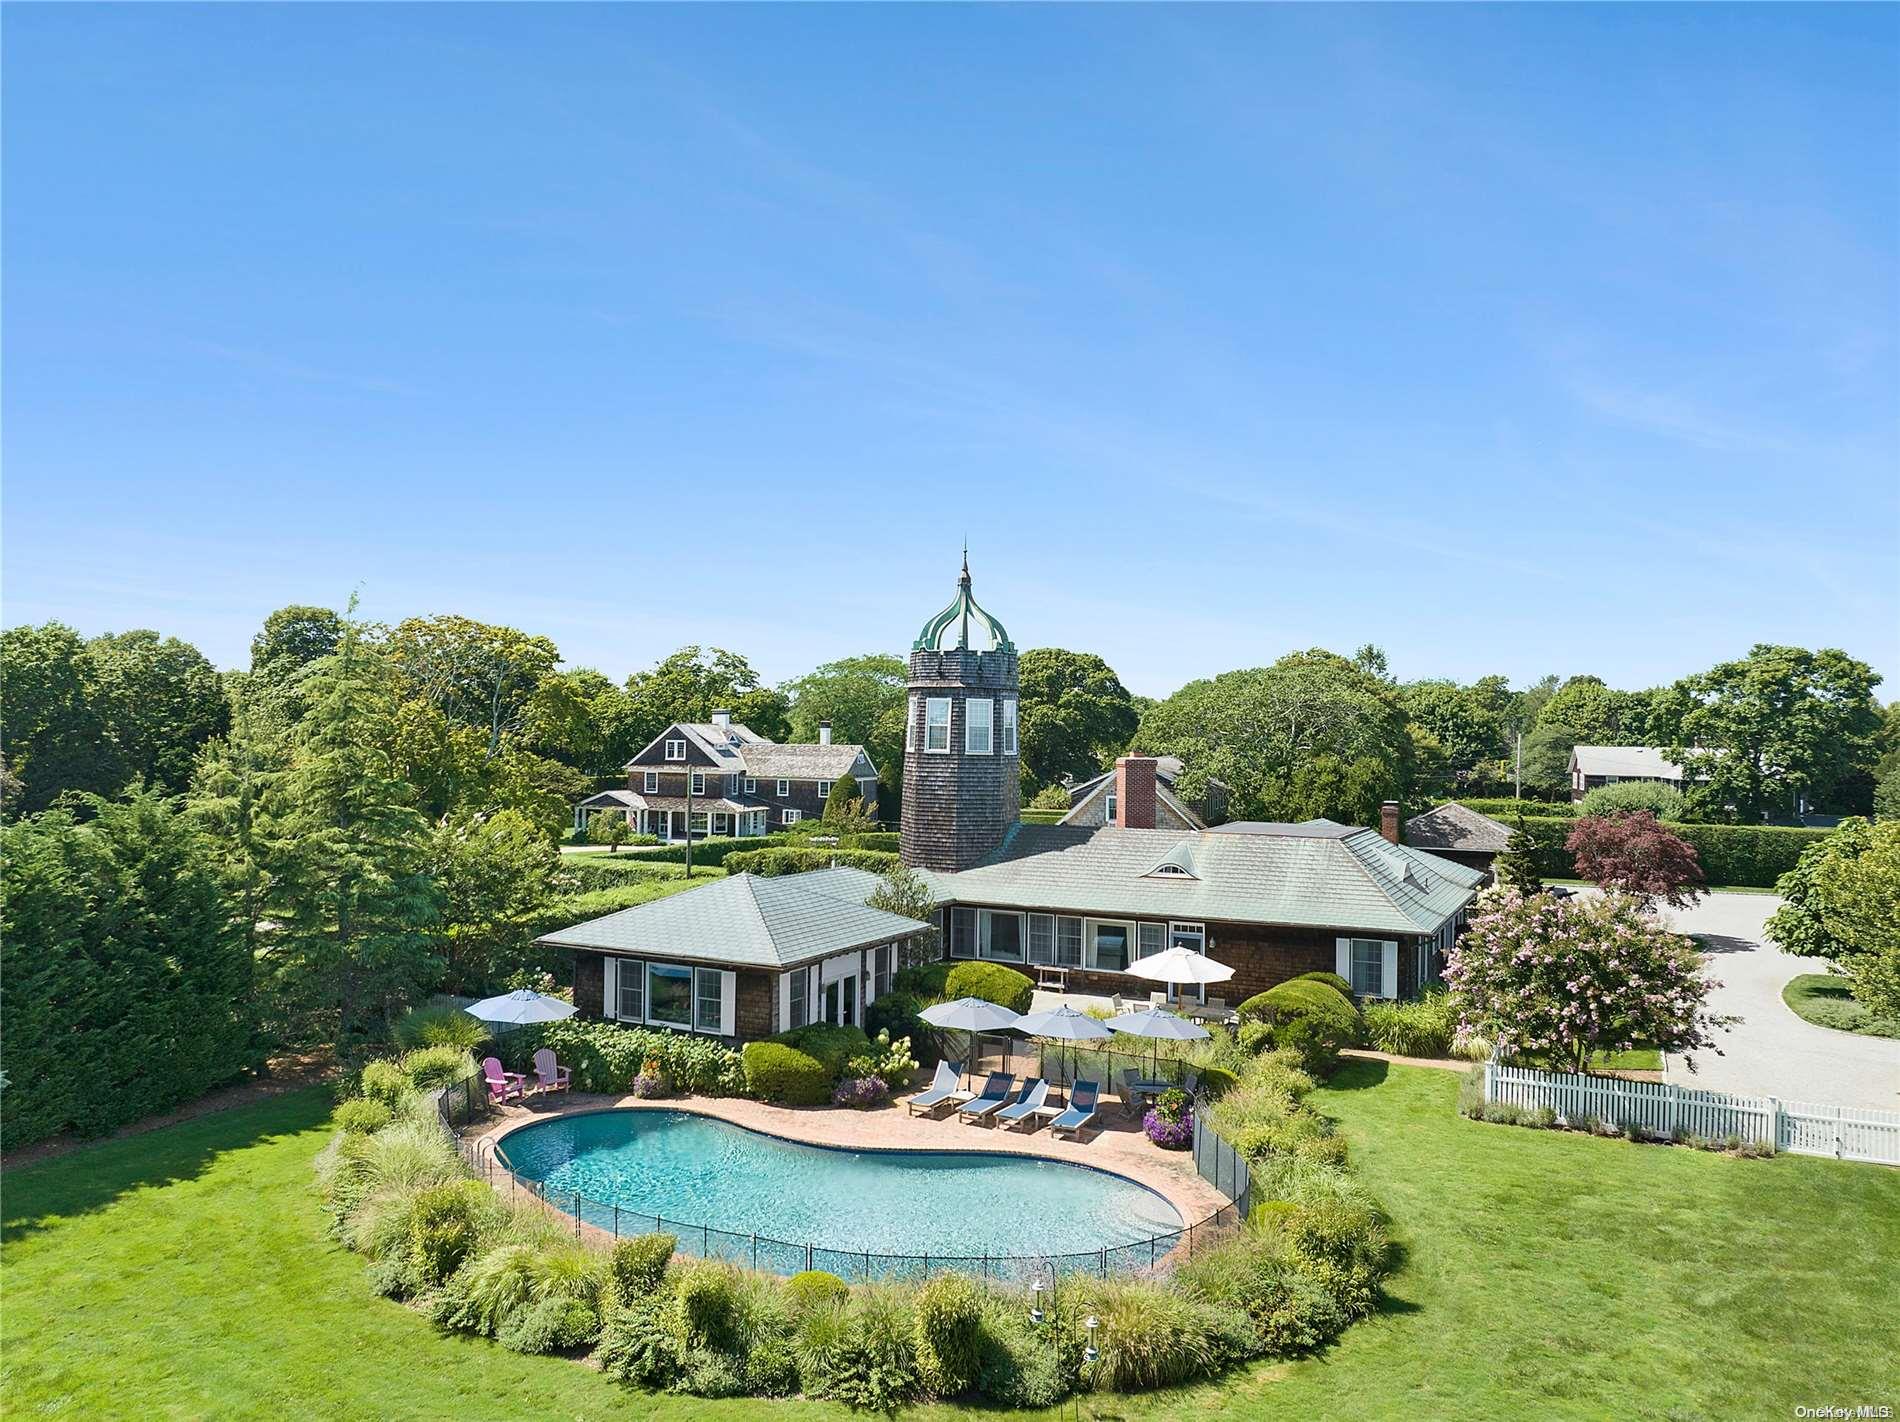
(1091,1352)
(1035,1301)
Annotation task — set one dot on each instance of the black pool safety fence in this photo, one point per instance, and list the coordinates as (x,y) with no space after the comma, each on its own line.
(1216,1161)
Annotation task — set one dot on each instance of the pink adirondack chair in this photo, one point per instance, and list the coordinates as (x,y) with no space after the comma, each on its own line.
(549,1074)
(503,1086)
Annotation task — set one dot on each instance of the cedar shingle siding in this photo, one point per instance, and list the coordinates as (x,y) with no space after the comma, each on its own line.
(958,807)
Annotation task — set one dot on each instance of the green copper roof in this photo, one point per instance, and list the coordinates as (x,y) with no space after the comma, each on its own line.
(951,629)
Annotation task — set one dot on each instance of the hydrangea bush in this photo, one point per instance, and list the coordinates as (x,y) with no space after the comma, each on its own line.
(1566,978)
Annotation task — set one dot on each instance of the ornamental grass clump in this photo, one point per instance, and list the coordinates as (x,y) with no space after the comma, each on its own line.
(860,1352)
(1155,1336)
(442,1026)
(1425,1028)
(948,1320)
(361,1116)
(430,1067)
(637,1267)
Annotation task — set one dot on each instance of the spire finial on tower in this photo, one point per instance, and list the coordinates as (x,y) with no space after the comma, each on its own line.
(965,579)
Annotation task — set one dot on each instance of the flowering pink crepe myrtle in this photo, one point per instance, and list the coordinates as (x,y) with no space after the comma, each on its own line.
(1565,978)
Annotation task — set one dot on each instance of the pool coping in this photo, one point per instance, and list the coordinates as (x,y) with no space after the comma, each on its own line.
(1170,1175)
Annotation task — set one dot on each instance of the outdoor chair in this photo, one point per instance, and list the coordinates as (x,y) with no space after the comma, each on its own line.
(503,1086)
(549,1074)
(1033,1095)
(1081,1110)
(943,1089)
(1132,1098)
(995,1092)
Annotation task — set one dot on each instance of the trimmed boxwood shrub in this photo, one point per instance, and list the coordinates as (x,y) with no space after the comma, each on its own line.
(776,1072)
(929,981)
(1308,1017)
(1332,980)
(363,1115)
(992,982)
(833,1046)
(774,863)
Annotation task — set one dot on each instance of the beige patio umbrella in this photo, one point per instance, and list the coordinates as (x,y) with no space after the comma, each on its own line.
(1180,965)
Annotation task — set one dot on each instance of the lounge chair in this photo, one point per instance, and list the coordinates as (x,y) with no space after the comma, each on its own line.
(503,1086)
(1081,1110)
(549,1074)
(1033,1095)
(943,1088)
(995,1092)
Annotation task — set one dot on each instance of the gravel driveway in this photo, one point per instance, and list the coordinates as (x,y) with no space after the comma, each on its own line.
(1772,1052)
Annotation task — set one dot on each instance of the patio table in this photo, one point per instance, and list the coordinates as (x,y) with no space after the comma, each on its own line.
(1150,1086)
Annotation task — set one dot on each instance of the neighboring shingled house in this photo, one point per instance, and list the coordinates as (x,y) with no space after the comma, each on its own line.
(1460,834)
(1093,801)
(1591,766)
(741,784)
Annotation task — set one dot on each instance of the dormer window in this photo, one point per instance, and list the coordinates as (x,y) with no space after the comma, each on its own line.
(1171,871)
(676,750)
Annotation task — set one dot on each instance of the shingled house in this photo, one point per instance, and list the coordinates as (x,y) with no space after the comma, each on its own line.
(741,784)
(1075,903)
(1093,801)
(1071,904)
(1460,834)
(743,957)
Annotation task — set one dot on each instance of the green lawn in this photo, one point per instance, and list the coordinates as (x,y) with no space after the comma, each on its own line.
(184,1273)
(1824,1000)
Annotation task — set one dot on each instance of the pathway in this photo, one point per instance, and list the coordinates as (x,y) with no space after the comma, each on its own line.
(1771,1051)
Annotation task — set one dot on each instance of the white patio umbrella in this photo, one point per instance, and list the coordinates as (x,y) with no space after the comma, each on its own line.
(1064,1024)
(520,1007)
(974,1015)
(1180,965)
(1159,1026)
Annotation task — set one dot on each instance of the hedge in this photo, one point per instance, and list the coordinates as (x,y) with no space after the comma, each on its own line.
(1311,1018)
(992,982)
(771,863)
(930,981)
(1748,856)
(783,1074)
(713,850)
(606,1057)
(1042,817)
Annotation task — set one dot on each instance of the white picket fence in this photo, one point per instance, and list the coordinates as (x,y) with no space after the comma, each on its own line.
(1661,1109)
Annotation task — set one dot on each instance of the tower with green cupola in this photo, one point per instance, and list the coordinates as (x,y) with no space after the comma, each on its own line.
(962,775)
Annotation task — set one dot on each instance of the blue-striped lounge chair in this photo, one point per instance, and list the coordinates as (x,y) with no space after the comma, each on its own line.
(995,1092)
(943,1088)
(1032,1096)
(1081,1109)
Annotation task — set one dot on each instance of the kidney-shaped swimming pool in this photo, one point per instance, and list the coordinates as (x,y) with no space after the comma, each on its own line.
(694,1170)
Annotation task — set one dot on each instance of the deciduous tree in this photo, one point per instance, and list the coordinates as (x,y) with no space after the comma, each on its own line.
(1567,978)
(1075,716)
(1630,852)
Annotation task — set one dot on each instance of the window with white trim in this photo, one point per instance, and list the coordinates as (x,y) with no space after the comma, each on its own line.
(676,750)
(784,789)
(1367,963)
(1042,938)
(979,725)
(670,994)
(791,817)
(632,976)
(732,785)
(798,998)
(1009,725)
(881,957)
(653,782)
(708,999)
(1108,807)
(751,786)
(699,782)
(1000,936)
(1069,942)
(1191,936)
(1153,937)
(963,933)
(824,789)
(936,725)
(910,724)
(1108,946)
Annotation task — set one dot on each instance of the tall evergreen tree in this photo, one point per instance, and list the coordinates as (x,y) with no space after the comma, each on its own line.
(349,859)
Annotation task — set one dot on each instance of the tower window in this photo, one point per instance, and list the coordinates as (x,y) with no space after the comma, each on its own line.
(910,726)
(936,723)
(1009,726)
(979,726)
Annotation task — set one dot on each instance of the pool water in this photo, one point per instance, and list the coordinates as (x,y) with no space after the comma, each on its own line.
(693,1171)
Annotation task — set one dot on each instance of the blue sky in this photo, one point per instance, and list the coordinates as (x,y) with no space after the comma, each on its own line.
(1512,339)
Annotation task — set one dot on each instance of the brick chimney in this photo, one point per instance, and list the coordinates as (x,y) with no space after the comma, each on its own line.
(722,717)
(1135,792)
(1389,820)
(824,733)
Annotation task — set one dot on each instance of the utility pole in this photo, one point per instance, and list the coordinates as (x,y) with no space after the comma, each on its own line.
(1520,769)
(689,820)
